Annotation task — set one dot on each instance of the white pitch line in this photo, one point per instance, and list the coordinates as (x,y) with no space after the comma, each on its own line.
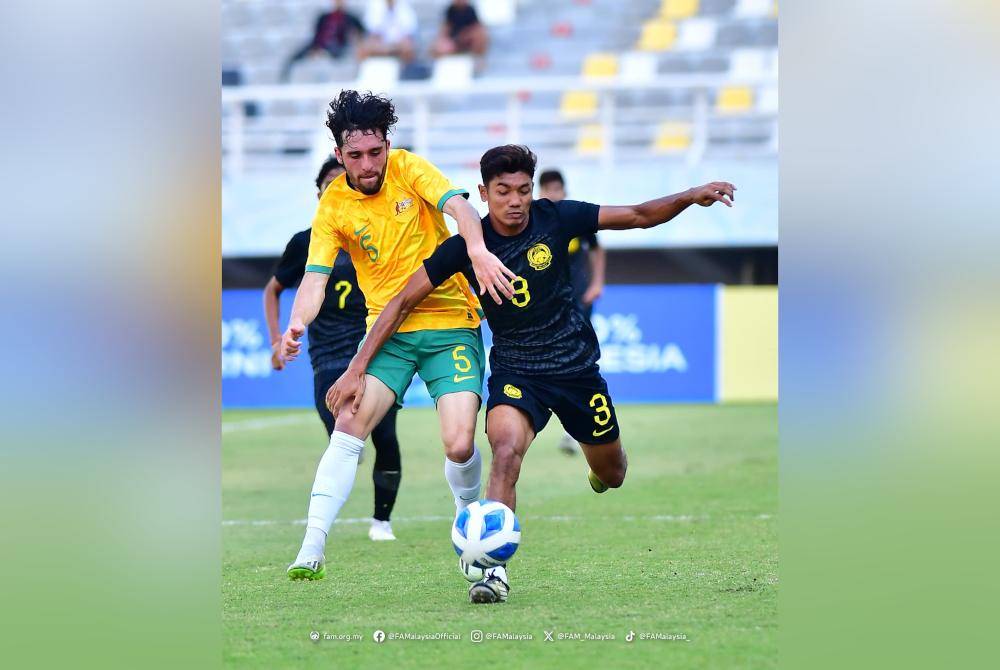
(670,518)
(266,422)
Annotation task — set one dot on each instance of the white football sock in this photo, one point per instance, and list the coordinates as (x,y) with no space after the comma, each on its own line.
(499,571)
(333,483)
(464,479)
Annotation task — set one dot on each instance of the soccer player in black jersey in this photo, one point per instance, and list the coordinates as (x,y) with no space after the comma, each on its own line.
(333,340)
(545,353)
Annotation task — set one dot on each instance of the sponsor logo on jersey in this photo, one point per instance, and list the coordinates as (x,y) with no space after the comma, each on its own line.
(539,257)
(511,391)
(403,206)
(574,245)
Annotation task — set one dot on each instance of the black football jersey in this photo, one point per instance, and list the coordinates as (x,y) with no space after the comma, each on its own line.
(541,331)
(340,324)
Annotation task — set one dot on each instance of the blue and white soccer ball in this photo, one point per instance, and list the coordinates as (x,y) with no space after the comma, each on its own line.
(485,534)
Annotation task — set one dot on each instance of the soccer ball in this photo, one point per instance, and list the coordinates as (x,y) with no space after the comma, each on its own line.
(485,534)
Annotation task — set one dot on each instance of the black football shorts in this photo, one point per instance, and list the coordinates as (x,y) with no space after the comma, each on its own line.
(582,403)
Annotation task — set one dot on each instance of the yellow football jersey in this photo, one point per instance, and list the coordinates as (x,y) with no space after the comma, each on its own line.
(388,235)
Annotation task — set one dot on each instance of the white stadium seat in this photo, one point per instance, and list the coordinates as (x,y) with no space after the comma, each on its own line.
(696,35)
(748,64)
(496,12)
(378,75)
(767,100)
(753,8)
(637,67)
(452,72)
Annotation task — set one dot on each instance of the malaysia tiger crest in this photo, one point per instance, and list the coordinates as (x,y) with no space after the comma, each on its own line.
(539,257)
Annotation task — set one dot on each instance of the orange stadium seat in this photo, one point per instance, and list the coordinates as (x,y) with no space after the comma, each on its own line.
(734,99)
(578,104)
(657,35)
(672,137)
(599,65)
(590,139)
(678,9)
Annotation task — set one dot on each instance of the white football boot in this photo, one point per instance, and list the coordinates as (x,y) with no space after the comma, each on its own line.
(380,531)
(493,589)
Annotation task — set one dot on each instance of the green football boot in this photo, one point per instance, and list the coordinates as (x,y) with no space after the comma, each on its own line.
(596,484)
(312,570)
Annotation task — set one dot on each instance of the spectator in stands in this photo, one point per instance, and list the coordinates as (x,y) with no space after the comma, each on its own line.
(586,269)
(332,34)
(461,32)
(392,30)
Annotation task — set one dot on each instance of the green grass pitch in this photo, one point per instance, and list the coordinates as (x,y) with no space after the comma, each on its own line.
(687,547)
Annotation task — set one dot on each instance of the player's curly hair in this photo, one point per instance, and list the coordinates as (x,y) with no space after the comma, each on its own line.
(330,163)
(366,112)
(506,159)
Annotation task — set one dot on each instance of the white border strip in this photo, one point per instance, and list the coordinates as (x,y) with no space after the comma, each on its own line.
(672,518)
(266,422)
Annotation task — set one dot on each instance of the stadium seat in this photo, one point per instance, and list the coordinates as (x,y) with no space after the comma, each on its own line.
(767,100)
(748,64)
(578,104)
(637,67)
(734,99)
(672,137)
(590,139)
(657,35)
(600,65)
(747,9)
(678,9)
(452,72)
(378,74)
(496,12)
(696,35)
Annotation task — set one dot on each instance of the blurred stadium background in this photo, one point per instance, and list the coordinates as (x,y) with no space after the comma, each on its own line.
(630,100)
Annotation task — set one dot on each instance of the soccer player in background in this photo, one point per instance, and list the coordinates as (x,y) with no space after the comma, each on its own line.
(586,270)
(333,341)
(544,356)
(386,212)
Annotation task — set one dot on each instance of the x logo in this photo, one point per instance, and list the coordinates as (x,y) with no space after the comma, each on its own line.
(548,636)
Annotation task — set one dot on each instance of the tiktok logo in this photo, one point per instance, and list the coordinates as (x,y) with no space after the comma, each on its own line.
(630,636)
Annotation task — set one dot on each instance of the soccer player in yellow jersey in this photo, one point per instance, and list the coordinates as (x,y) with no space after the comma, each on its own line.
(386,211)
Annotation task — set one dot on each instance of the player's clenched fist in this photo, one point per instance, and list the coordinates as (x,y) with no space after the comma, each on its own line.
(716,191)
(290,345)
(277,362)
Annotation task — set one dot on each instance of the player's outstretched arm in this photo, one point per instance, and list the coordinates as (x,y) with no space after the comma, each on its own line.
(351,384)
(272,307)
(492,275)
(661,210)
(308,300)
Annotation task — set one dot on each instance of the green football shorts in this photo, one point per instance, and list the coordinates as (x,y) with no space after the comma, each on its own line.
(448,361)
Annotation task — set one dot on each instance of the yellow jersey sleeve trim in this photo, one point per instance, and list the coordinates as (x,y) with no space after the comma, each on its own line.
(319,268)
(454,191)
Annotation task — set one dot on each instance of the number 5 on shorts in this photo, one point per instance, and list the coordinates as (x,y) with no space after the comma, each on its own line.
(462,363)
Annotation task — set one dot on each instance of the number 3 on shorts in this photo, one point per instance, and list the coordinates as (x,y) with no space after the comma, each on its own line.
(462,363)
(600,405)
